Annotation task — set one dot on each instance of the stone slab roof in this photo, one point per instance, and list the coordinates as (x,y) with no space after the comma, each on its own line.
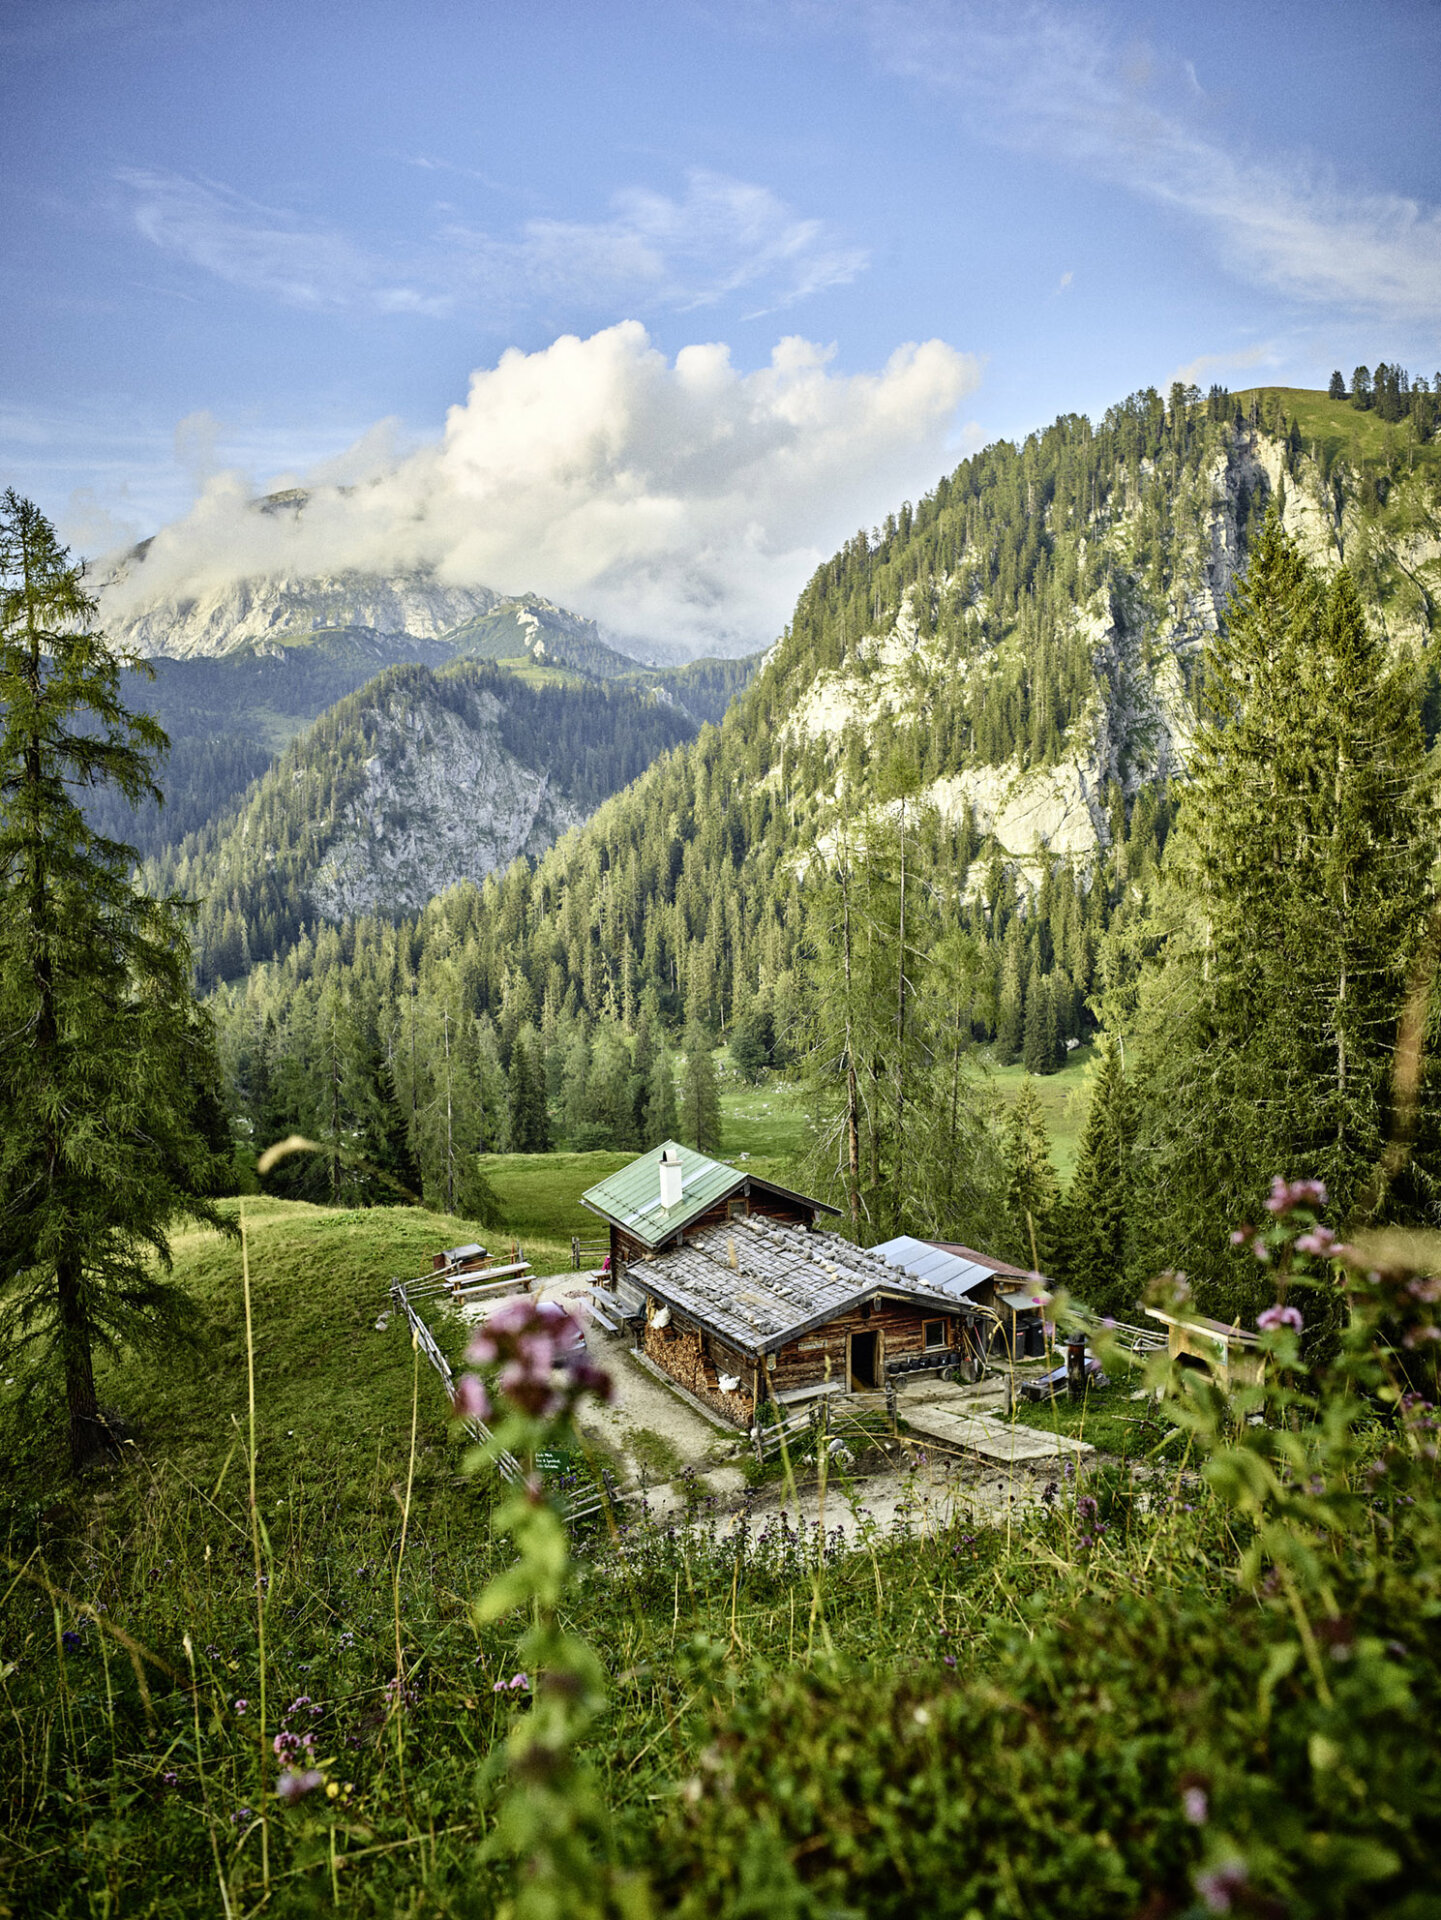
(758,1283)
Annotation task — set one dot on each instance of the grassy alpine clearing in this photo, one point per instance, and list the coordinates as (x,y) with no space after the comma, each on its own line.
(161,1642)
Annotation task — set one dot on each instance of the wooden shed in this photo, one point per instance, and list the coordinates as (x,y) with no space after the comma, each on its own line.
(1015,1299)
(1233,1357)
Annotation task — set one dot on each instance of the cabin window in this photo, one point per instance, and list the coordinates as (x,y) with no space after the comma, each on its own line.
(934,1333)
(736,1210)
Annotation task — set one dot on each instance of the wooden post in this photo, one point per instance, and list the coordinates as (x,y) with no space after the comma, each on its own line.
(1076,1368)
(575,1253)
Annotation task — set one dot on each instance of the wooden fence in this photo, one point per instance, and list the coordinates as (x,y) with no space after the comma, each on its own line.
(580,1504)
(809,1428)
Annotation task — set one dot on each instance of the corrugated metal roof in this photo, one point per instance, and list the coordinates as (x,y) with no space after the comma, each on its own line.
(936,1266)
(1020,1301)
(784,1280)
(631,1198)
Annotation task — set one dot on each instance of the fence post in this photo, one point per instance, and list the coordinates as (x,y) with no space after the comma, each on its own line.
(575,1253)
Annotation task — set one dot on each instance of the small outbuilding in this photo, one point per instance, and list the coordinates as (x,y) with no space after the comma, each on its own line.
(1210,1346)
(467,1259)
(746,1299)
(1012,1297)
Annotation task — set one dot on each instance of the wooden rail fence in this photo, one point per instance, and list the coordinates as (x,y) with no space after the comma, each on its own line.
(580,1504)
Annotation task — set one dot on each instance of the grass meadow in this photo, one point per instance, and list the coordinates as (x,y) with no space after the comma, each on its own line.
(1202,1676)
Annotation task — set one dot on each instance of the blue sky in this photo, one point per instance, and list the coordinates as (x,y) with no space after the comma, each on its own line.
(239,236)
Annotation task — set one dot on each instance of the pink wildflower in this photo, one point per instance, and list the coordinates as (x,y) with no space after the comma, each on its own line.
(1320,1241)
(471,1402)
(1286,1195)
(1219,1885)
(1274,1318)
(294,1784)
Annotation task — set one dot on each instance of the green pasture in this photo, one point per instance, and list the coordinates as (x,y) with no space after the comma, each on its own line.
(1064,1099)
(1339,428)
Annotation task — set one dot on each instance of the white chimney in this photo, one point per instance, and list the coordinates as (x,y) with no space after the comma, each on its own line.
(670,1179)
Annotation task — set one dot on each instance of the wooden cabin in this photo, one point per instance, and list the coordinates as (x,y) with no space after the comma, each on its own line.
(745,1299)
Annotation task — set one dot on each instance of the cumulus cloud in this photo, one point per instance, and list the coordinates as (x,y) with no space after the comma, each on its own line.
(1066,85)
(654,250)
(676,501)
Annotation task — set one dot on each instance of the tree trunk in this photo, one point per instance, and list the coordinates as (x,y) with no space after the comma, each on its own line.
(87,1434)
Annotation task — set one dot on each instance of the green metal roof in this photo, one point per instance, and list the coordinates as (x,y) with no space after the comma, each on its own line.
(631,1198)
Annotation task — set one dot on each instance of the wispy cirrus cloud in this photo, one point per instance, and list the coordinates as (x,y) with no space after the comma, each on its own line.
(719,238)
(1067,85)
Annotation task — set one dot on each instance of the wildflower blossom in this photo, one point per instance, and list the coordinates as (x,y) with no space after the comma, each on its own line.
(70,1640)
(1219,1885)
(1320,1241)
(242,1706)
(471,1402)
(1274,1318)
(1195,1806)
(544,1368)
(294,1784)
(1286,1195)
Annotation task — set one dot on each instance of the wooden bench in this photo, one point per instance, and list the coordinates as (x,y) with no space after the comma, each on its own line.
(603,1309)
(472,1286)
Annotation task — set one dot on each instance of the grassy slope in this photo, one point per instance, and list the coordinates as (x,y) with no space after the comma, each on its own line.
(1064,1097)
(333,1395)
(1338,427)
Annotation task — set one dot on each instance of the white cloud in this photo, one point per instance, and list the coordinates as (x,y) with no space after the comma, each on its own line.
(721,236)
(682,502)
(1203,369)
(1063,84)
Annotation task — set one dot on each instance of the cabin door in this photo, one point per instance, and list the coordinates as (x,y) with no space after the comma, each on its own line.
(863,1360)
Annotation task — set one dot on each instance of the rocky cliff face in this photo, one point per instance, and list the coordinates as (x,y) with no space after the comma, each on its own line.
(440,801)
(1137,724)
(277,610)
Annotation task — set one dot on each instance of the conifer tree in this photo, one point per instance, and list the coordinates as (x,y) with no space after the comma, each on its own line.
(1299,886)
(1035,1054)
(1095,1219)
(525,1092)
(1032,1191)
(661,1120)
(700,1115)
(108,1072)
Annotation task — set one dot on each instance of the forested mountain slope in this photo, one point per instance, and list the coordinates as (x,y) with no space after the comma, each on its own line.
(234,674)
(420,780)
(1018,651)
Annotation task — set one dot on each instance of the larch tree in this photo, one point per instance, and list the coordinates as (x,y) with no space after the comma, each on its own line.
(1094,1222)
(110,1117)
(1299,886)
(700,1114)
(1033,1193)
(661,1117)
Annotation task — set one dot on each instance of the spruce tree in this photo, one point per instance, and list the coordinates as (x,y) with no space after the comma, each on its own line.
(1038,1046)
(700,1115)
(661,1119)
(1095,1219)
(529,1121)
(109,1109)
(1032,1191)
(1299,884)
